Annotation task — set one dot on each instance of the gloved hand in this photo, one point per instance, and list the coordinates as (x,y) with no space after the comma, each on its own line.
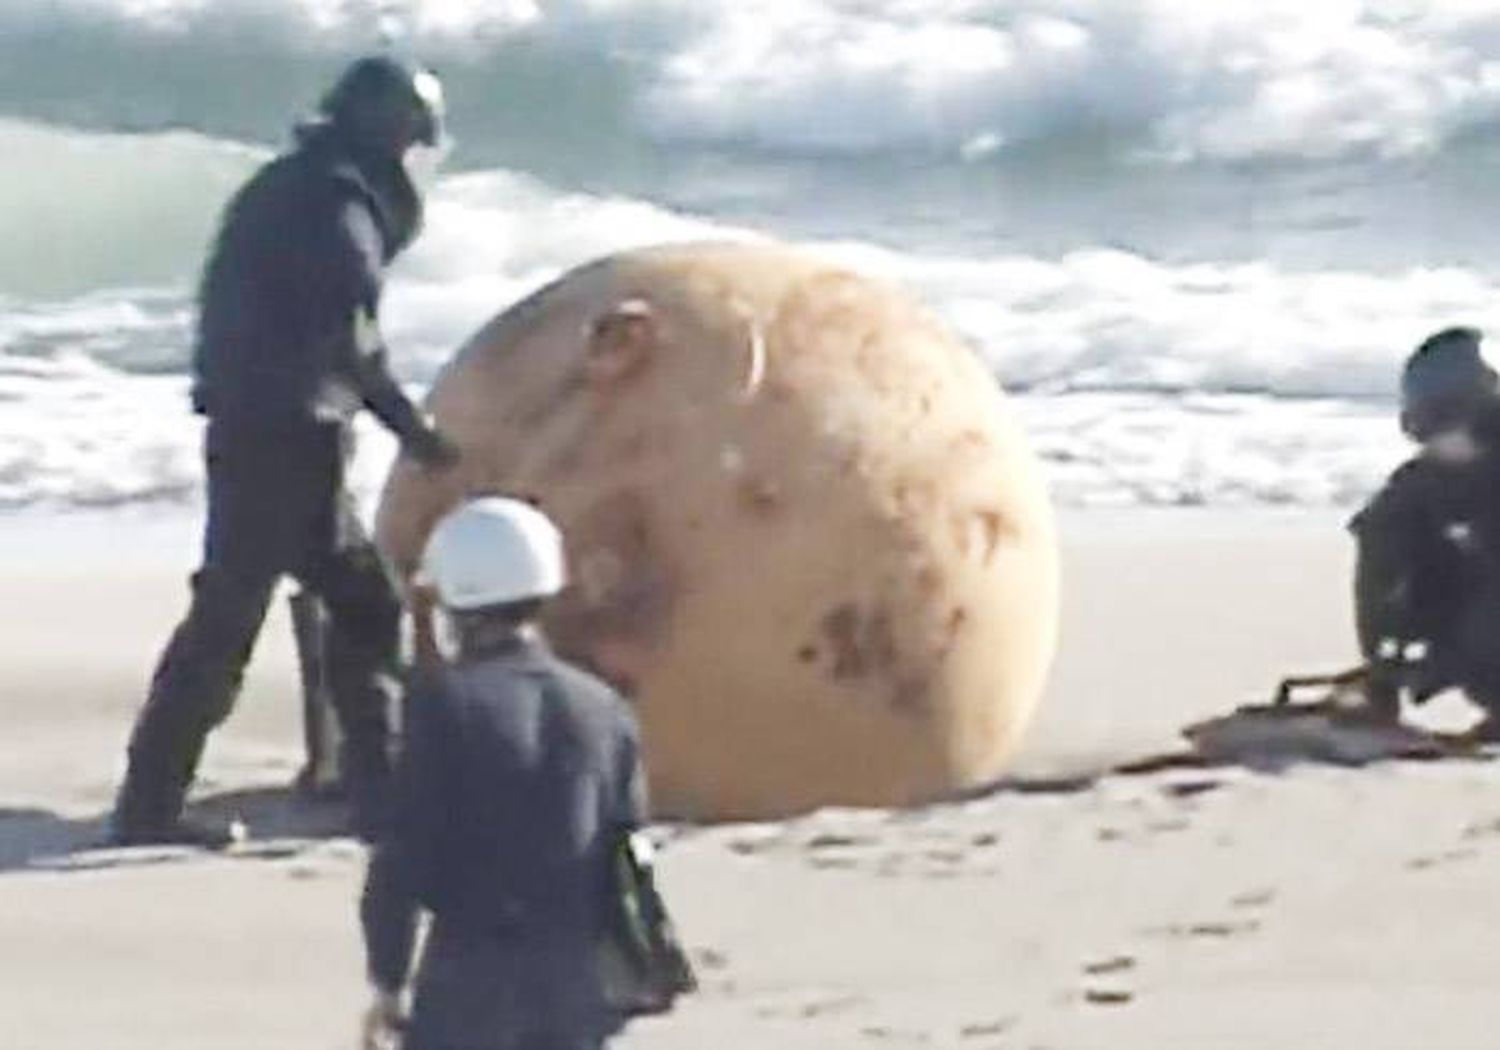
(383,1023)
(431,448)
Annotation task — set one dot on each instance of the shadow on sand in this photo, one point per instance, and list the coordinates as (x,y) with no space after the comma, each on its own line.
(1269,739)
(280,823)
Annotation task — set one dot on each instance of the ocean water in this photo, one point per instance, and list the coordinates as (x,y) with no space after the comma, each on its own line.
(1193,239)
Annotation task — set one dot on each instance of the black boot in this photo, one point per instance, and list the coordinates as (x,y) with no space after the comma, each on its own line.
(192,691)
(149,809)
(179,831)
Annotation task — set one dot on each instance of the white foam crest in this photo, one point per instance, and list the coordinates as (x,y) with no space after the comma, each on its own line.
(83,210)
(1118,450)
(139,331)
(1143,381)
(1089,319)
(78,435)
(1100,318)
(74,433)
(1109,319)
(493,238)
(76,430)
(490,239)
(1232,79)
(336,23)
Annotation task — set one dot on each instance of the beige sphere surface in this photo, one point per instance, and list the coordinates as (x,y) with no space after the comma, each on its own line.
(806,533)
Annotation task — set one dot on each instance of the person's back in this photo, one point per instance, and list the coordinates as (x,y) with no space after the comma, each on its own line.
(260,294)
(1428,555)
(299,254)
(538,759)
(520,776)
(1416,537)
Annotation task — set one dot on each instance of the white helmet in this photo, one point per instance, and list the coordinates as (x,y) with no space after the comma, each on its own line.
(494,551)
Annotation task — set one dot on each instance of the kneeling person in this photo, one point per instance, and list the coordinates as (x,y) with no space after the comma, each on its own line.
(1427,578)
(519,775)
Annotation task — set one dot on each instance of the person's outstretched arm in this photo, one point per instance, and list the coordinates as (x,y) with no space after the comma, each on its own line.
(361,355)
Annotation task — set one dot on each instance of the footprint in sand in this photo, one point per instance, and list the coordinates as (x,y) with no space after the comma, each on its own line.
(834,840)
(1168,825)
(986,1029)
(756,838)
(881,1034)
(981,1029)
(1253,898)
(1108,996)
(1113,993)
(1482,829)
(1207,930)
(1183,789)
(1452,856)
(710,959)
(834,863)
(814,1008)
(1113,964)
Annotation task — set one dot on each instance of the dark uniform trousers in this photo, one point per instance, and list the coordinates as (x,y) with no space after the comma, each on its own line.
(499,992)
(277,505)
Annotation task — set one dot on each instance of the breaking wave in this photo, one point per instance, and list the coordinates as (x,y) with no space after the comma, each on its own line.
(1231,80)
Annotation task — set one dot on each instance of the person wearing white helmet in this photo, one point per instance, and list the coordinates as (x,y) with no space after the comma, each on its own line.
(520,773)
(1427,572)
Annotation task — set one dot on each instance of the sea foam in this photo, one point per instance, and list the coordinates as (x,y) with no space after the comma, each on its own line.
(1229,80)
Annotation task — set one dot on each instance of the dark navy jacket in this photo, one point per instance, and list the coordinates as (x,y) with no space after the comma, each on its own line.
(1429,540)
(291,291)
(519,773)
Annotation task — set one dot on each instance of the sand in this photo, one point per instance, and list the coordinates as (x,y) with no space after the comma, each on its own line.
(1313,907)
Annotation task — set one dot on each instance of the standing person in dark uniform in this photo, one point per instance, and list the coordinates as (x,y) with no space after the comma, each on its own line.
(288,352)
(519,776)
(1427,575)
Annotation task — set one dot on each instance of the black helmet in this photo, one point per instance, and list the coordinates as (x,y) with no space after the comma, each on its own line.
(1444,380)
(385,104)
